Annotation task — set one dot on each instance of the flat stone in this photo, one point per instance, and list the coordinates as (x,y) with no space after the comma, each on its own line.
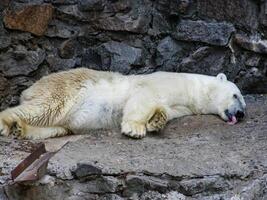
(31,18)
(252,43)
(200,31)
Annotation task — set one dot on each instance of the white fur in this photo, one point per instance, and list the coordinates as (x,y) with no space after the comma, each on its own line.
(111,99)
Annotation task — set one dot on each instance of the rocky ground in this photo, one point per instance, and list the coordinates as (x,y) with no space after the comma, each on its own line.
(195,157)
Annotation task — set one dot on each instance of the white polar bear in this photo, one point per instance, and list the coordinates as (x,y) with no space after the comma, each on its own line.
(82,99)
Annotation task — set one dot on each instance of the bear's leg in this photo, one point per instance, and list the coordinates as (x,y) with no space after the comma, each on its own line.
(25,131)
(138,110)
(158,120)
(37,116)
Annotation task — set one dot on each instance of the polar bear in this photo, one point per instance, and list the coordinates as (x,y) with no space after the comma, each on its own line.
(82,99)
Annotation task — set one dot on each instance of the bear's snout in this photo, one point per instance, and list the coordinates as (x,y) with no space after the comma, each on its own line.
(240,114)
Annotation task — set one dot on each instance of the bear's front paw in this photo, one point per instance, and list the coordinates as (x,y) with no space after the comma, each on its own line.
(157,121)
(133,129)
(4,129)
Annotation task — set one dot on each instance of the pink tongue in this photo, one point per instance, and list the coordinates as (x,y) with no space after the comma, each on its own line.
(233,121)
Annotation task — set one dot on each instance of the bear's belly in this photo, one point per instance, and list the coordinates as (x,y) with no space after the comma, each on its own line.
(92,114)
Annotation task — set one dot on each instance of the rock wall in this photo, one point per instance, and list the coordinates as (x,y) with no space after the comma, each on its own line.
(39,37)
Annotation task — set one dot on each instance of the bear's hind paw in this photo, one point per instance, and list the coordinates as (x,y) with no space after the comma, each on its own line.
(4,129)
(18,129)
(133,129)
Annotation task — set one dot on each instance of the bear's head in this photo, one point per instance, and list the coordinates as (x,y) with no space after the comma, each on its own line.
(228,100)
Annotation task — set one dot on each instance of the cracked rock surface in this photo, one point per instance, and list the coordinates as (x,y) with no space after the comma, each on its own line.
(194,157)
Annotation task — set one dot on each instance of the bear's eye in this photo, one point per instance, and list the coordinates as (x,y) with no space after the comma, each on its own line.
(235,96)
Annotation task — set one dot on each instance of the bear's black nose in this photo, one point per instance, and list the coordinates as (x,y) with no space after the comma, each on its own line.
(240,114)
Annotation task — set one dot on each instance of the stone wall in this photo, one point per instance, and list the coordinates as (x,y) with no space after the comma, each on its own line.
(38,37)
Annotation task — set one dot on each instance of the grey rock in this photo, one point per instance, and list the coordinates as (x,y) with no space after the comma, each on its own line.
(21,61)
(140,184)
(5,40)
(68,49)
(241,13)
(253,80)
(153,195)
(2,194)
(263,16)
(200,31)
(208,61)
(160,24)
(252,43)
(91,5)
(61,2)
(256,189)
(70,13)
(118,56)
(253,61)
(4,4)
(58,64)
(92,59)
(101,185)
(168,53)
(173,7)
(127,17)
(195,186)
(86,169)
(111,197)
(62,30)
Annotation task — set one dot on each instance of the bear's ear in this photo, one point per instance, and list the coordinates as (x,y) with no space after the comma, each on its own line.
(222,77)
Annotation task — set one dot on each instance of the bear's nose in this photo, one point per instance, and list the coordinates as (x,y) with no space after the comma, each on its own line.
(240,114)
